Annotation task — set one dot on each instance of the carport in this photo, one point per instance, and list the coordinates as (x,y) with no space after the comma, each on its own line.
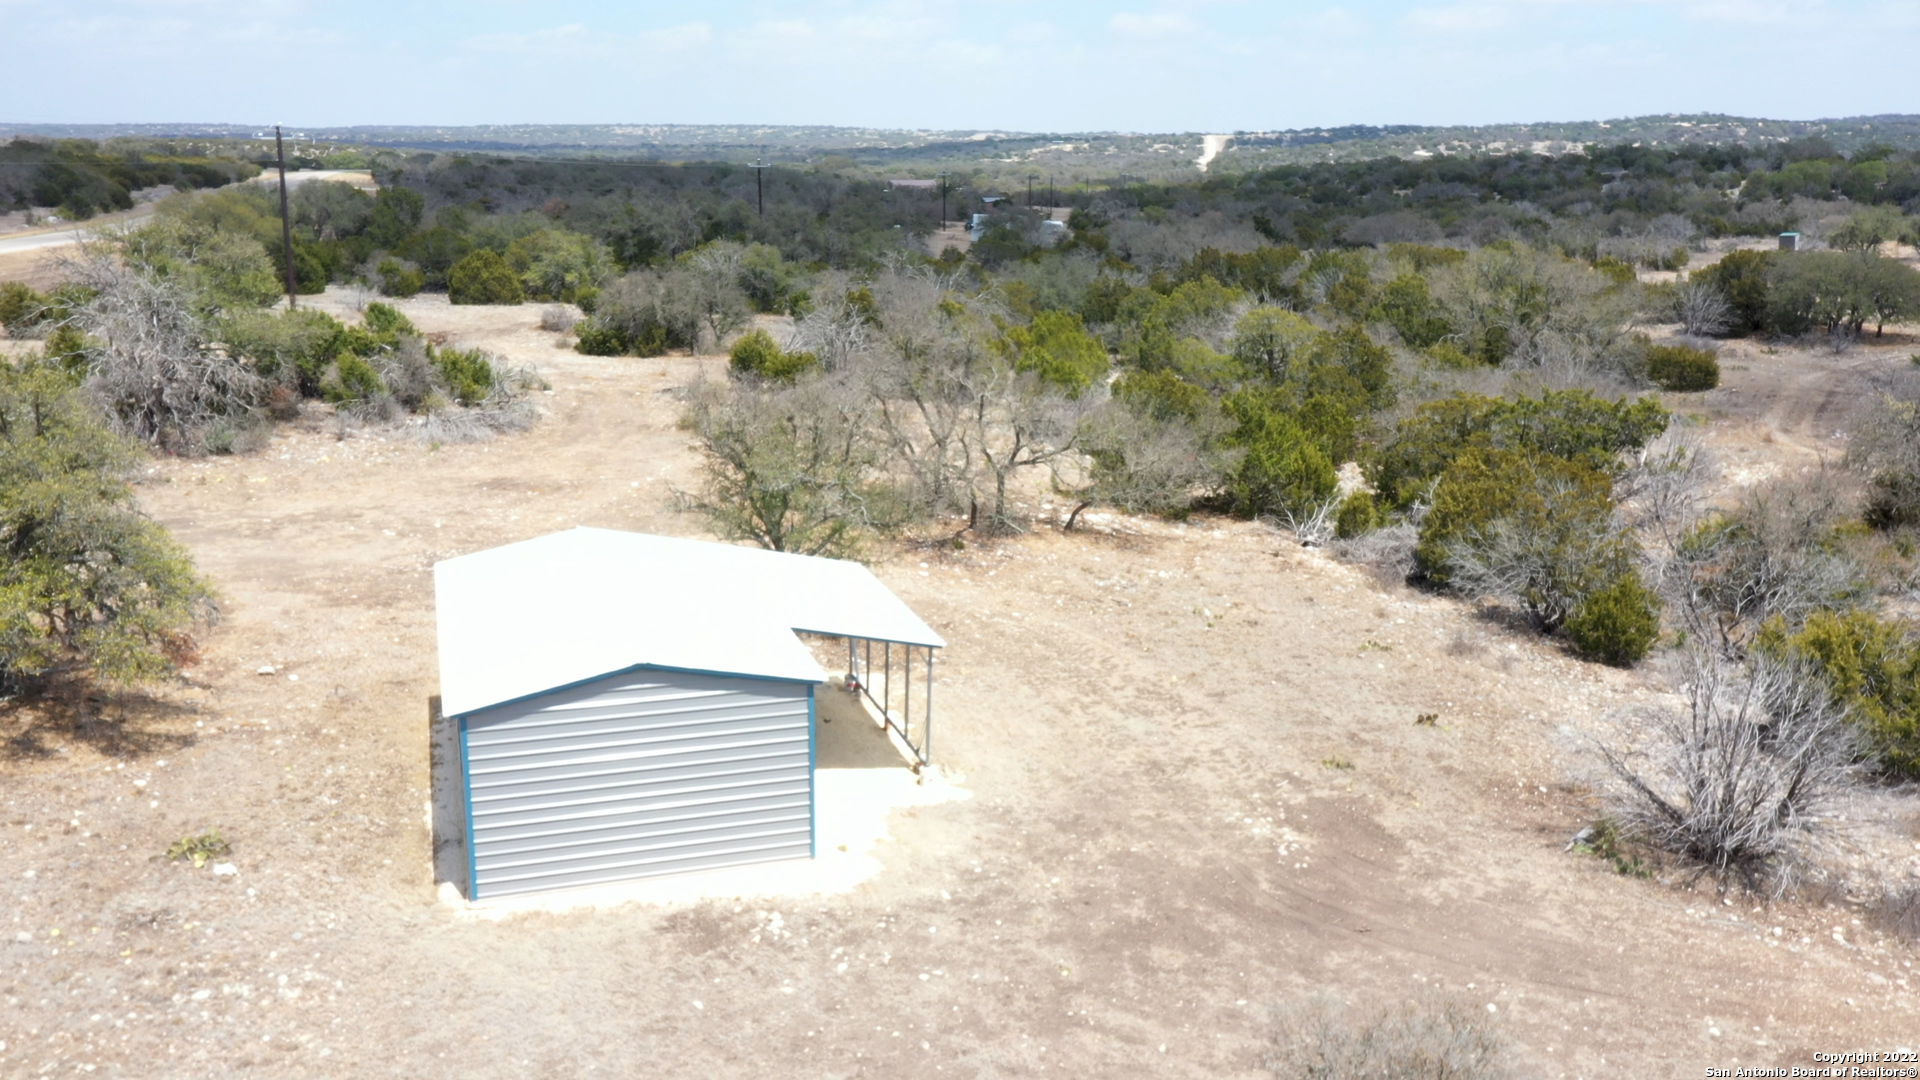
(630,705)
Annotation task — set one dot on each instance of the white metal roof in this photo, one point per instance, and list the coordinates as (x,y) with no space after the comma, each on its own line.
(561,609)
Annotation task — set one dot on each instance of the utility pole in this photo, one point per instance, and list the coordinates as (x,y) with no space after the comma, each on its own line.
(286,223)
(943,200)
(1031,177)
(759,168)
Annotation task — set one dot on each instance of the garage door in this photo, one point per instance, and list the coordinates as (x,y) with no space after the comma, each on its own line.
(639,774)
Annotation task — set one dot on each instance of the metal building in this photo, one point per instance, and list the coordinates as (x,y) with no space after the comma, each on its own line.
(632,705)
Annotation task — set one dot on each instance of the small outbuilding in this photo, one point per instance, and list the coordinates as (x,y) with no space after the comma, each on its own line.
(630,705)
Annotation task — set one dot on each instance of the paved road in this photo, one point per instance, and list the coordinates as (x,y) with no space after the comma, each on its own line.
(71,233)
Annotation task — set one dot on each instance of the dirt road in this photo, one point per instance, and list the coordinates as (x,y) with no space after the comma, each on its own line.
(1199,791)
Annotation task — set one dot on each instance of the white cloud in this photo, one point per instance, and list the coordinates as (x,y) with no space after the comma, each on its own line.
(1149,27)
(578,39)
(686,36)
(1460,18)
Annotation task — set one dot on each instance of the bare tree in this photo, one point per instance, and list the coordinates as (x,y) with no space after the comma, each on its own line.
(916,369)
(1702,309)
(835,329)
(1313,525)
(1663,489)
(150,365)
(1885,446)
(1774,552)
(1529,308)
(1745,782)
(717,295)
(1139,463)
(1016,422)
(788,468)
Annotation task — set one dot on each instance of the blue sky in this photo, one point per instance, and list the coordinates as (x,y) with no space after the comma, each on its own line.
(1202,65)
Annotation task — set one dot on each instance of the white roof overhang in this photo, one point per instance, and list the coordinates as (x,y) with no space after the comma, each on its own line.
(563,609)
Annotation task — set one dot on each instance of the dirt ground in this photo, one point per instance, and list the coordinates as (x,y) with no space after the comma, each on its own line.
(38,268)
(1199,792)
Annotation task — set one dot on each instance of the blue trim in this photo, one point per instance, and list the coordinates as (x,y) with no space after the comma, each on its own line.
(641,667)
(466,788)
(715,674)
(813,816)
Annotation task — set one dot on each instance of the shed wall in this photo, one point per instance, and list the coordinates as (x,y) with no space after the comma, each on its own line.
(642,773)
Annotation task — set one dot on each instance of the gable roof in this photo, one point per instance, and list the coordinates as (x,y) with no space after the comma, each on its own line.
(561,609)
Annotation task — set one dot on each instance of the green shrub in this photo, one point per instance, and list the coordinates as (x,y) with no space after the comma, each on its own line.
(1407,304)
(1616,624)
(596,338)
(294,346)
(468,373)
(756,354)
(1358,516)
(1268,340)
(1682,368)
(555,264)
(753,353)
(1615,270)
(1285,470)
(1107,297)
(20,307)
(484,278)
(88,584)
(1524,528)
(1872,666)
(1741,276)
(1893,499)
(1570,424)
(66,347)
(1448,355)
(395,278)
(310,274)
(650,341)
(350,380)
(1163,395)
(385,320)
(1057,347)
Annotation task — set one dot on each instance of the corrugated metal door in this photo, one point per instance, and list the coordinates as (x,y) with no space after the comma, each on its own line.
(644,773)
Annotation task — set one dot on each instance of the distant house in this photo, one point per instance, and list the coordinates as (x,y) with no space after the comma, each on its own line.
(1051,231)
(913,185)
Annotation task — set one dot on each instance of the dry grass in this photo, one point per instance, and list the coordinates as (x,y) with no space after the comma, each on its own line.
(1429,1038)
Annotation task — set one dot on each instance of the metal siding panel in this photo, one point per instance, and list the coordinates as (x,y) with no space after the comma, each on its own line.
(599,803)
(670,842)
(633,821)
(655,868)
(642,773)
(584,771)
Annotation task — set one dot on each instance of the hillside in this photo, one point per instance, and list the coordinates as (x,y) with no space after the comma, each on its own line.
(1011,154)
